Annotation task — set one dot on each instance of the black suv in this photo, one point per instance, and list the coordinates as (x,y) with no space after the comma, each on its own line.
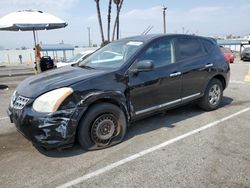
(126,80)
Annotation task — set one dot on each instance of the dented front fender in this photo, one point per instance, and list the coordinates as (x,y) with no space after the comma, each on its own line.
(115,97)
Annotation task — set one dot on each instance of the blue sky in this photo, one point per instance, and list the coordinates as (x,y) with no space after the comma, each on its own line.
(203,17)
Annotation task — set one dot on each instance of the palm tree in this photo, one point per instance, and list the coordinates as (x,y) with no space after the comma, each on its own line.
(109,19)
(116,24)
(99,18)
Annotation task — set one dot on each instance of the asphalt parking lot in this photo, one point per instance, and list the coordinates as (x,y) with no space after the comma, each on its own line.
(184,147)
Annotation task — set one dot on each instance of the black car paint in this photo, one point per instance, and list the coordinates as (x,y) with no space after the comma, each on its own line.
(131,92)
(34,86)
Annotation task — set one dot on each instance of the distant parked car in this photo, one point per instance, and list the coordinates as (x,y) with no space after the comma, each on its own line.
(245,55)
(75,59)
(228,54)
(46,63)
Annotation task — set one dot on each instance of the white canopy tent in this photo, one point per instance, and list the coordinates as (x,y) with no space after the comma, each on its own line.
(29,20)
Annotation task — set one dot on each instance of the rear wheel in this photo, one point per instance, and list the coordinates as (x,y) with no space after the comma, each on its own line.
(213,95)
(103,126)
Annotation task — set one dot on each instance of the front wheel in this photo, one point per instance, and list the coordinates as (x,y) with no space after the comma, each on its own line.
(213,96)
(103,126)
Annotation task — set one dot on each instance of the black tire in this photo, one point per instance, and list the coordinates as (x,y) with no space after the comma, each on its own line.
(104,125)
(209,101)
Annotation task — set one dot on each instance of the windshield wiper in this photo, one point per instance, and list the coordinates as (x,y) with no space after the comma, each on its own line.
(87,67)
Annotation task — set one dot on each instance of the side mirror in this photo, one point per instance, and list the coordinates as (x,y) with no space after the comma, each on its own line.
(143,66)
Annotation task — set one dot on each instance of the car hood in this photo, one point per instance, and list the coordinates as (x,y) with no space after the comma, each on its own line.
(62,64)
(34,86)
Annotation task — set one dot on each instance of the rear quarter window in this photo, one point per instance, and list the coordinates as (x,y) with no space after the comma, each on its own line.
(209,46)
(189,48)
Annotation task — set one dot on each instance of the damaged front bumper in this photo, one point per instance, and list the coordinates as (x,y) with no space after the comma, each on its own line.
(47,130)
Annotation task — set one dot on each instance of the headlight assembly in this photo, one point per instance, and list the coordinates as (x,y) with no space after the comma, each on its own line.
(13,98)
(50,101)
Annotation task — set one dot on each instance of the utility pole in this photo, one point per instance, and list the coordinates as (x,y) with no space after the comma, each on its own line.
(89,36)
(118,24)
(164,19)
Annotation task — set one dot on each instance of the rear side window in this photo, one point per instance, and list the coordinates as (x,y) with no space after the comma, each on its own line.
(209,46)
(189,48)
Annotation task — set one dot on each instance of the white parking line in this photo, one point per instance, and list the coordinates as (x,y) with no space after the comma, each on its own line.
(3,118)
(237,82)
(147,151)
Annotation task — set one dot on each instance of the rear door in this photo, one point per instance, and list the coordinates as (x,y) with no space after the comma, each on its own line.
(194,66)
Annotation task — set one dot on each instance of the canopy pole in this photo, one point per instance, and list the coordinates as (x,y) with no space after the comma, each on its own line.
(37,59)
(34,34)
(37,37)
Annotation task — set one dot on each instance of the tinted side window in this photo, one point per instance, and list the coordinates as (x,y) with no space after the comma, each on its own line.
(189,48)
(161,52)
(209,46)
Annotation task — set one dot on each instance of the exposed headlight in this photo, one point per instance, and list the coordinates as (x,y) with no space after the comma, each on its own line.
(50,102)
(13,98)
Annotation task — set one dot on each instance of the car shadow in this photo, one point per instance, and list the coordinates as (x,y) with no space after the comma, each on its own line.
(166,119)
(62,152)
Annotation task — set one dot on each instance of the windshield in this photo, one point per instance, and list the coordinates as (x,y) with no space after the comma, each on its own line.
(74,58)
(247,49)
(112,56)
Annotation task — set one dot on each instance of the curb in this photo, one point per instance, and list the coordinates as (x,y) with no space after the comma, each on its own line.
(12,86)
(15,75)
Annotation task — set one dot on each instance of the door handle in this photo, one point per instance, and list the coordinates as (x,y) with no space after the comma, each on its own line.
(175,74)
(209,65)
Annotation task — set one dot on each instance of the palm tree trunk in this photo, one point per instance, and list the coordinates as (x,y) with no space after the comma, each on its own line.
(109,18)
(99,18)
(117,19)
(117,23)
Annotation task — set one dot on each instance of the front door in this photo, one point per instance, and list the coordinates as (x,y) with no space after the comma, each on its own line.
(160,87)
